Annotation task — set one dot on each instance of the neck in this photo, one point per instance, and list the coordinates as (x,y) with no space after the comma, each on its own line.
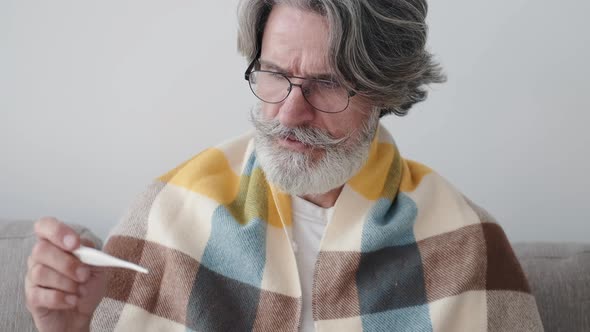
(326,200)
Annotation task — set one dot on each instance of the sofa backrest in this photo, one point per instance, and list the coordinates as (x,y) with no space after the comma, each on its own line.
(559,276)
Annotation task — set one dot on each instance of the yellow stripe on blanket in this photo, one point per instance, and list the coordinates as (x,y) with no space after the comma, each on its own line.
(209,174)
(413,173)
(369,181)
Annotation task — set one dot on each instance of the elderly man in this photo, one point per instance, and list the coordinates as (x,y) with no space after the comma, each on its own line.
(312,222)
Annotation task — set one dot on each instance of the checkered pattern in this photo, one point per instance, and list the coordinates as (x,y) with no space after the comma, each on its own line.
(405,251)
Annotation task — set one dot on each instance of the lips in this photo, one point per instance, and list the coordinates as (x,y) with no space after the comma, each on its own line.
(292,139)
(292,143)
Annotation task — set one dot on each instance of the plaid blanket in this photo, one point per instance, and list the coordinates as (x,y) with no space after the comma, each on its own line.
(405,251)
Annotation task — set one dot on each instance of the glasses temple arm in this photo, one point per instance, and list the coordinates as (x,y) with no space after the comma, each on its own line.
(251,66)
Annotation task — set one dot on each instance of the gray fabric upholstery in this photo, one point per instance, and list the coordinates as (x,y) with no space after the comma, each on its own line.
(559,276)
(16,241)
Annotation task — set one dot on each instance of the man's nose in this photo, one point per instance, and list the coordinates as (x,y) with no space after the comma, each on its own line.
(295,110)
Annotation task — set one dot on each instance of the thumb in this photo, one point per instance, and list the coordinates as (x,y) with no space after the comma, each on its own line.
(87,243)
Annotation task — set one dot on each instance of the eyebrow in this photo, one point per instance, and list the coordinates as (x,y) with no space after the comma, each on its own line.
(274,67)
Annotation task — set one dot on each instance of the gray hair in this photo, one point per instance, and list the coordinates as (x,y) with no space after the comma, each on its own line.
(377,47)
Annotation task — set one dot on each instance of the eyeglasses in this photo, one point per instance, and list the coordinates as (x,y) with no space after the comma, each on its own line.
(323,95)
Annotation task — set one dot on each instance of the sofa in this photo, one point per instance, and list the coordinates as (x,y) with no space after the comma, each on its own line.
(558,273)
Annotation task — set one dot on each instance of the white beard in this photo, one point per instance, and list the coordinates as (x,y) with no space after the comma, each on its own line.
(298,173)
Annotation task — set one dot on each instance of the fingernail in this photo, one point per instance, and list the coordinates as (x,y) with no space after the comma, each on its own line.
(82,273)
(69,241)
(71,299)
(82,290)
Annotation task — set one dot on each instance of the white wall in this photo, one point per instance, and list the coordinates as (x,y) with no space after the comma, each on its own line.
(97,98)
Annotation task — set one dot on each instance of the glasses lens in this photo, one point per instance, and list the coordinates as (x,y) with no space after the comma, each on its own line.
(323,95)
(326,96)
(269,87)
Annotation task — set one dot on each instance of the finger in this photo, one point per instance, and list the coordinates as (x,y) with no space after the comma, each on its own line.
(28,288)
(39,297)
(87,243)
(63,262)
(58,233)
(46,277)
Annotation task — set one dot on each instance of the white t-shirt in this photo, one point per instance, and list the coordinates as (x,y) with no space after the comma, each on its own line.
(309,223)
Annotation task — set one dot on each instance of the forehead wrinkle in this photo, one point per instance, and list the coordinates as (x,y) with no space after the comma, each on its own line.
(269,65)
(296,41)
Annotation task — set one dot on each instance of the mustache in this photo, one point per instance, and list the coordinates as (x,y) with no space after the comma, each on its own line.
(314,137)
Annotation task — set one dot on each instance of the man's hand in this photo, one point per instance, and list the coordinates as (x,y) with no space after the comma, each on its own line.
(62,292)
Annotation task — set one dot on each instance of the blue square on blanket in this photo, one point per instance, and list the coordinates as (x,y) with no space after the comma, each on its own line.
(390,224)
(234,250)
(219,303)
(250,165)
(390,278)
(390,274)
(416,319)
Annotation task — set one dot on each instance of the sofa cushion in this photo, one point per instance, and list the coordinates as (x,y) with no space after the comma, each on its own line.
(559,276)
(16,242)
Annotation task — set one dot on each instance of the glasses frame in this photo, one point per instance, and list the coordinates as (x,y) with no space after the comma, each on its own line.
(251,69)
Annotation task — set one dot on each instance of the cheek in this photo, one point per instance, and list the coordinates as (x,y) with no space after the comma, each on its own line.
(353,118)
(347,123)
(270,111)
(337,125)
(360,114)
